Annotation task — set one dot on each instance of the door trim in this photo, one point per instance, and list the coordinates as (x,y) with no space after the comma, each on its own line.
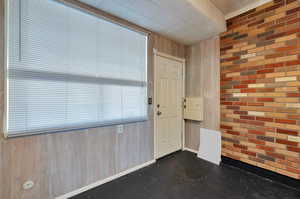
(156,54)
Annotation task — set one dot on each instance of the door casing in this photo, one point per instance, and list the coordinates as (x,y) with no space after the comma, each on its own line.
(181,60)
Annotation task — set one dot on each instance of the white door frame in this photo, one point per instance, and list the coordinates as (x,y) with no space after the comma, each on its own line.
(181,60)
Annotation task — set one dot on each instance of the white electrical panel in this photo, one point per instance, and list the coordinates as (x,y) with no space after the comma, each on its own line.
(193,108)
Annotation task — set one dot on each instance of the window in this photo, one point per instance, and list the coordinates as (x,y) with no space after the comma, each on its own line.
(69,70)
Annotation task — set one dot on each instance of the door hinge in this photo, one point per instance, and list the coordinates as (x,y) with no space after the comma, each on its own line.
(184,103)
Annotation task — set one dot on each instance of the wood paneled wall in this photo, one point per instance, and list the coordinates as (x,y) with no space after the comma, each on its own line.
(60,163)
(203,79)
(165,45)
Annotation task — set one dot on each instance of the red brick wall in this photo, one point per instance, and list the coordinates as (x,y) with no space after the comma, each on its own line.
(260,87)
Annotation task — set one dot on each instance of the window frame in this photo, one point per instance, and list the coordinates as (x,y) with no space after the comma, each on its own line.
(111,19)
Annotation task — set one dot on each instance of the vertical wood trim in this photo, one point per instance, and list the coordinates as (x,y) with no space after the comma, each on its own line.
(154,103)
(2,66)
(182,101)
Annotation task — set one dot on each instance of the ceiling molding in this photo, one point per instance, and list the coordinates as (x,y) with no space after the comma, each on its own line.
(246,8)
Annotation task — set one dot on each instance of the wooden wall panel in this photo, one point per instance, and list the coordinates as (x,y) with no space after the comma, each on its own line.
(168,46)
(202,79)
(60,163)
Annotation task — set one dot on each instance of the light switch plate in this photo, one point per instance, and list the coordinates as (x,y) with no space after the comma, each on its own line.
(293,138)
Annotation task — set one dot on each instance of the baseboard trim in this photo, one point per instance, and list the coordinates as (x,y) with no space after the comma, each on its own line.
(190,150)
(276,177)
(106,180)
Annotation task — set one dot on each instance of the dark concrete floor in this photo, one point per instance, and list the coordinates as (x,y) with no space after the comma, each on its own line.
(184,176)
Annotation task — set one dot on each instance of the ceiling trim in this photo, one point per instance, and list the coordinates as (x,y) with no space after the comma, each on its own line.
(246,8)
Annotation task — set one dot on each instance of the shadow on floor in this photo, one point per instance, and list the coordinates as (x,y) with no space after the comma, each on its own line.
(184,176)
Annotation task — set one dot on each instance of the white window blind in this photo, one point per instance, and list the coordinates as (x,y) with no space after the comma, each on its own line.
(69,70)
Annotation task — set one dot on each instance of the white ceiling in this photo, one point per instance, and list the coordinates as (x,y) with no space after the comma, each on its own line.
(228,6)
(186,21)
(231,8)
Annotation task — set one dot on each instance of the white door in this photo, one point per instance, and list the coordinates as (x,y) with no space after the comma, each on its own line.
(168,105)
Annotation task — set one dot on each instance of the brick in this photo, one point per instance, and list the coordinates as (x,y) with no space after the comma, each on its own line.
(260,86)
(276,155)
(293,105)
(256,141)
(265,138)
(246,117)
(285,79)
(265,99)
(293,73)
(270,70)
(233,107)
(277,115)
(293,170)
(241,112)
(233,132)
(249,90)
(240,95)
(240,146)
(265,157)
(265,119)
(292,63)
(256,85)
(276,45)
(286,48)
(240,103)
(293,94)
(286,142)
(240,86)
(255,113)
(284,121)
(287,173)
(288,132)
(264,90)
(249,153)
(248,81)
(255,104)
(296,117)
(255,50)
(293,83)
(248,55)
(251,131)
(286,99)
(274,104)
(271,75)
(293,11)
(258,109)
(286,38)
(286,89)
(225,127)
(248,47)
(295,149)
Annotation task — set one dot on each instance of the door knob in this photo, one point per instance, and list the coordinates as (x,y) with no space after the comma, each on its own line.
(159,113)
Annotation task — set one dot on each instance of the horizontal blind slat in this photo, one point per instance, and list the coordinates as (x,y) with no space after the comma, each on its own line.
(76,71)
